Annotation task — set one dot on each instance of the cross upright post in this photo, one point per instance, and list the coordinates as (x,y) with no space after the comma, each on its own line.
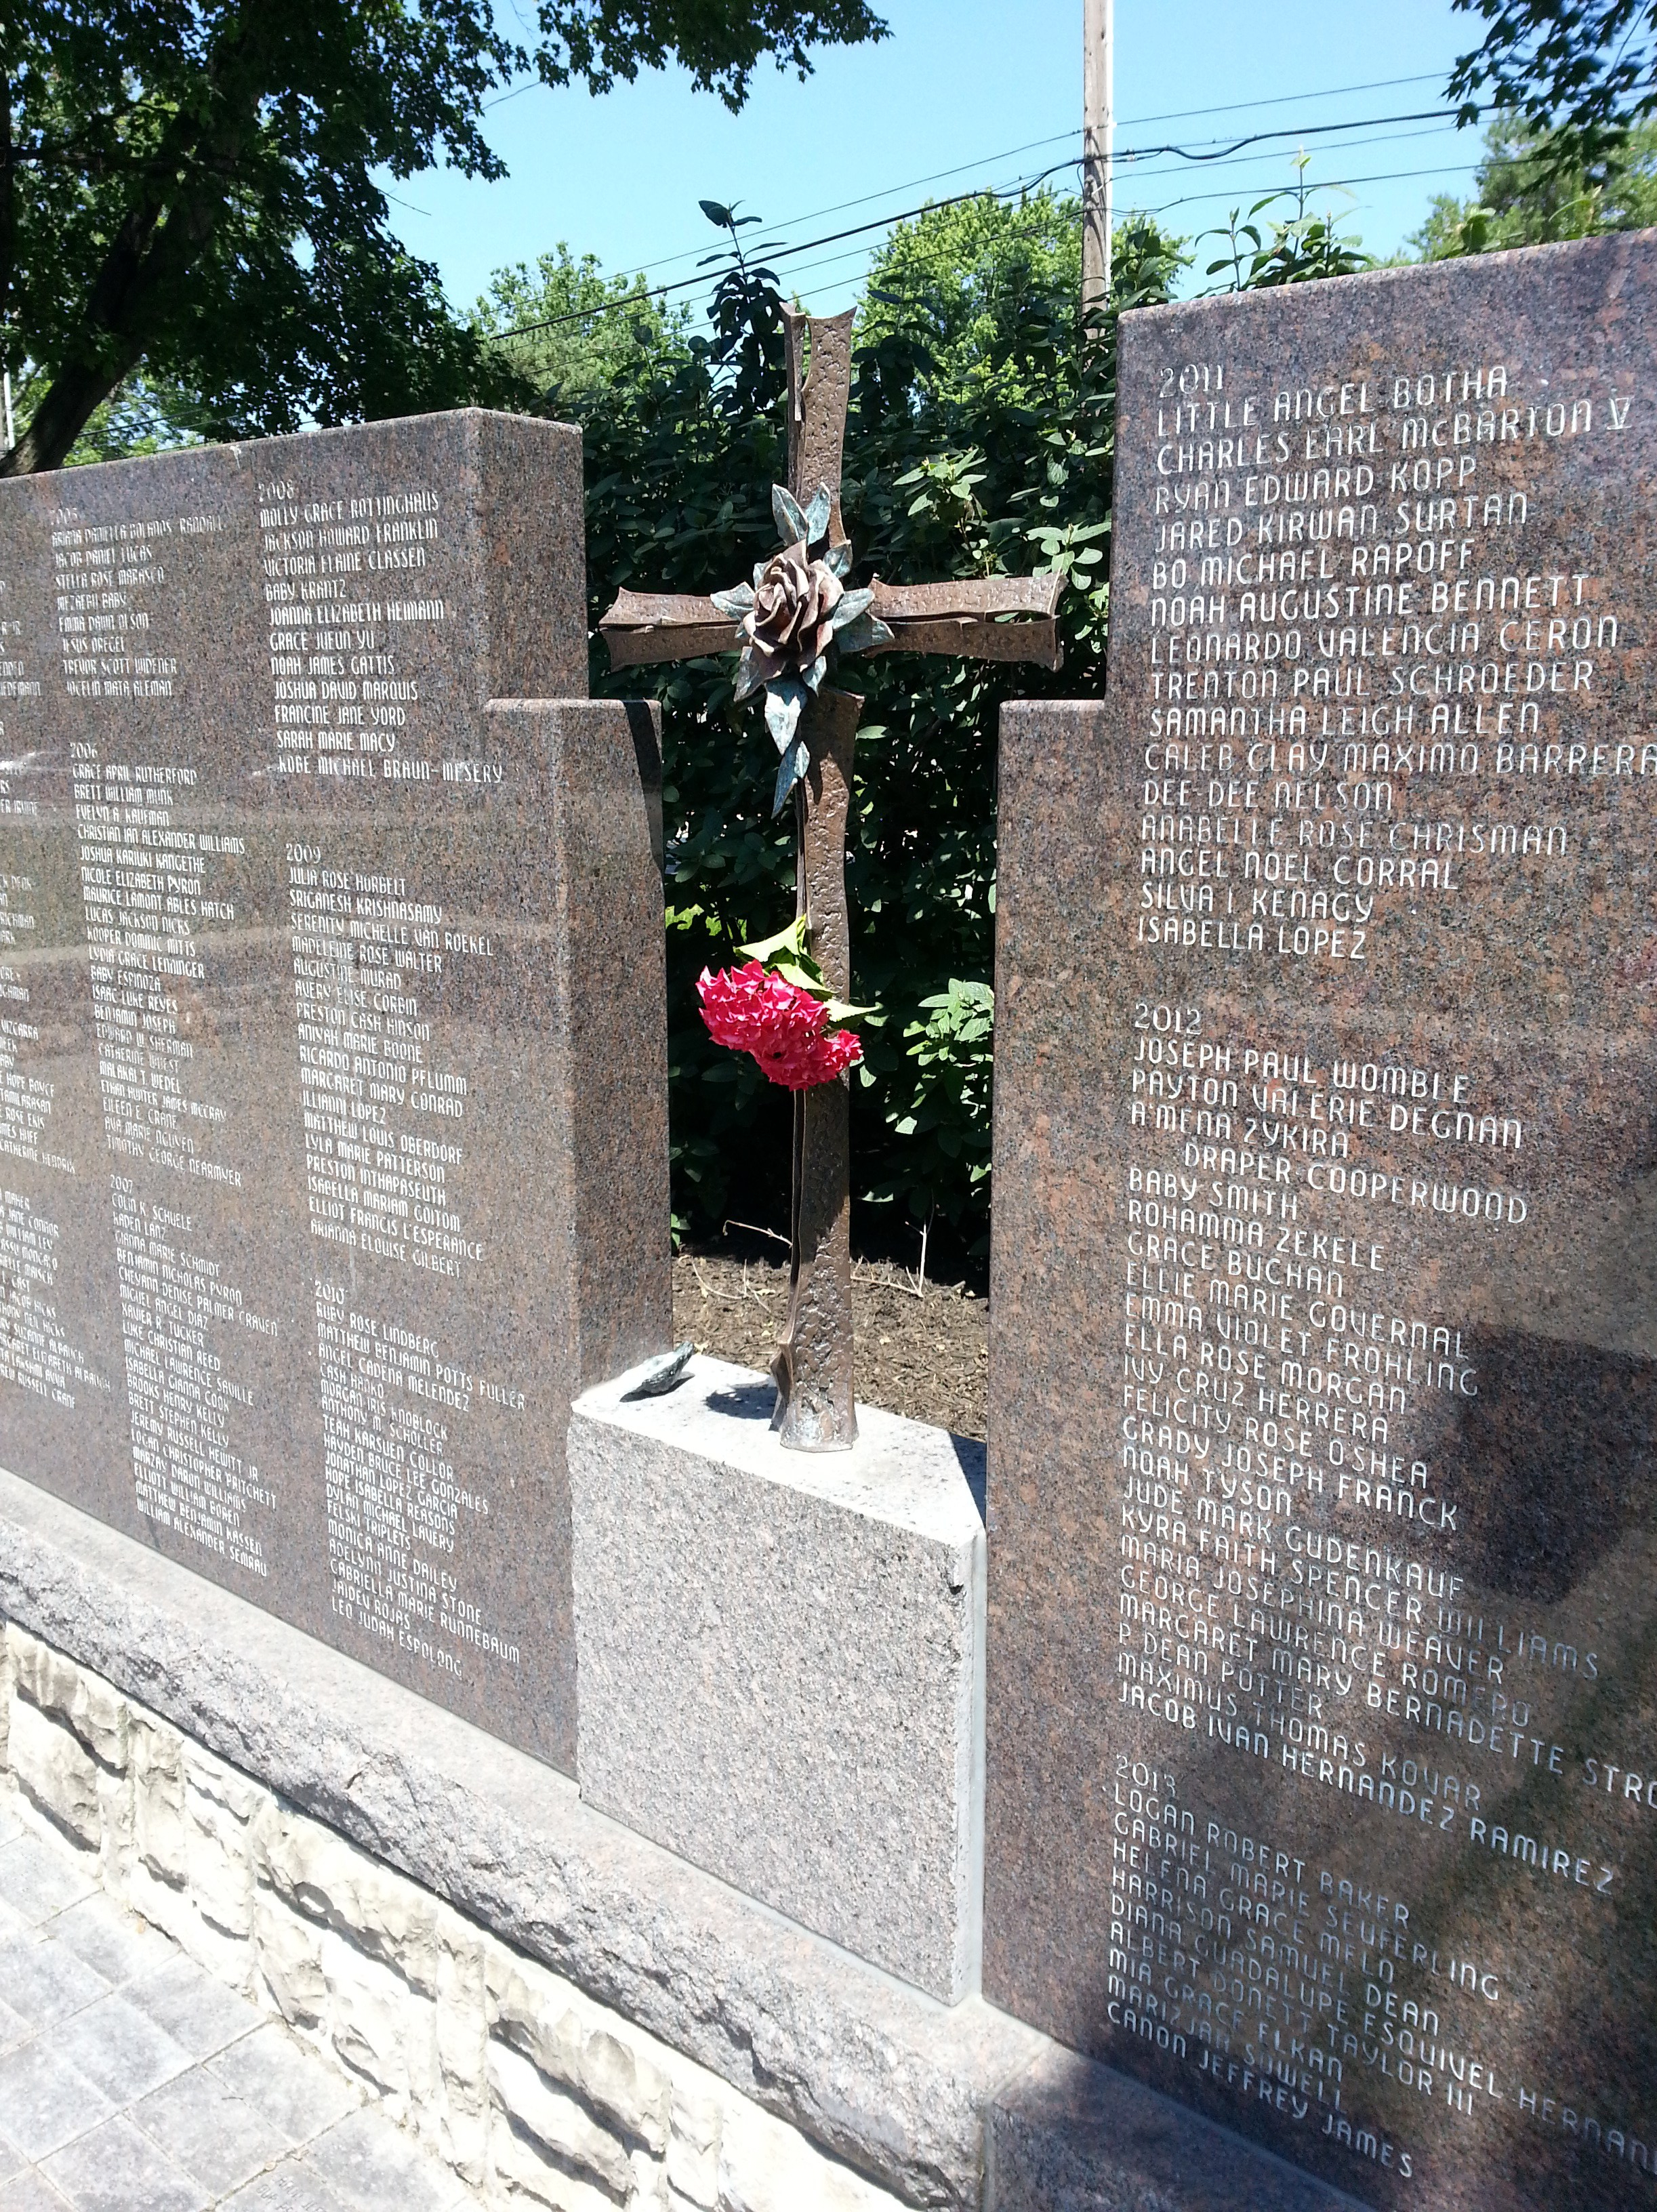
(814,1366)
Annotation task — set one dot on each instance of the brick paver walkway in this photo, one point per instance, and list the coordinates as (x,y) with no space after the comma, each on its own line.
(131,2081)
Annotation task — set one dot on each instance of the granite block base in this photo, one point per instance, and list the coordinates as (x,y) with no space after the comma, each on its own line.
(781,1660)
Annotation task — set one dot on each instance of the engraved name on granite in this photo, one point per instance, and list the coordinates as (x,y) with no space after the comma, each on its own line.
(1323,1629)
(332,1147)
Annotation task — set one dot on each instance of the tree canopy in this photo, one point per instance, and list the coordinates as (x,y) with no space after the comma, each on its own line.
(1525,194)
(568,330)
(960,277)
(192,185)
(1579,74)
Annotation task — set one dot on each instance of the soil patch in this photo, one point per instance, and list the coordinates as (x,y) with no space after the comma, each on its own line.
(920,1351)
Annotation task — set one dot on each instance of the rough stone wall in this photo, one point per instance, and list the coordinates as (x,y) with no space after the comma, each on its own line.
(531,2092)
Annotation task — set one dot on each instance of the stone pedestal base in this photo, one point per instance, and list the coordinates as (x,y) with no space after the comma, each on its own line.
(781,1660)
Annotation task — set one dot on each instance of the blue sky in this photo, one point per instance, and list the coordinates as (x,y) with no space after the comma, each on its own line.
(964,94)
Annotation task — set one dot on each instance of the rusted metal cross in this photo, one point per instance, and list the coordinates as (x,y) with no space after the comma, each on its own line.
(814,1368)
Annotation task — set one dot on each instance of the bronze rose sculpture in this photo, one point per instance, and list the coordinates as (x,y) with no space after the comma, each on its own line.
(796,612)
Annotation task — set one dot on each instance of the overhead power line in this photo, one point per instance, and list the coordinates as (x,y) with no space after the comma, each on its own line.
(1142,176)
(1058,139)
(1196,199)
(1335,184)
(1195,155)
(1288,130)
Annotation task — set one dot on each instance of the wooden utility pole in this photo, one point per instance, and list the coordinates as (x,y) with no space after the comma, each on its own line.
(1098,134)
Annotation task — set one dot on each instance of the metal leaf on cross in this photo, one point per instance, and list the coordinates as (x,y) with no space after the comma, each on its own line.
(817,515)
(852,605)
(783,703)
(865,634)
(790,770)
(789,516)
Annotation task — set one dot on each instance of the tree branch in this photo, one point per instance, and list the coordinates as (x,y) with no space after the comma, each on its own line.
(155,246)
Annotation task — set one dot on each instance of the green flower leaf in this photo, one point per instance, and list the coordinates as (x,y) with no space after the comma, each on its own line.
(738,600)
(788,515)
(804,974)
(790,941)
(786,955)
(748,676)
(811,676)
(838,560)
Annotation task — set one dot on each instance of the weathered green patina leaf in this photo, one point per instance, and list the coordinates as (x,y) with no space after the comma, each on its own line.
(790,770)
(848,608)
(865,631)
(737,601)
(664,1373)
(783,701)
(817,515)
(788,515)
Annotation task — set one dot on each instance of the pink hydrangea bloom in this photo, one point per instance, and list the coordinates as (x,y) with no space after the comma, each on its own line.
(783,1027)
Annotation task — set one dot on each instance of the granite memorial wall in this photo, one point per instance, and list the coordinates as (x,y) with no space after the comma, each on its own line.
(1323,1638)
(332,1122)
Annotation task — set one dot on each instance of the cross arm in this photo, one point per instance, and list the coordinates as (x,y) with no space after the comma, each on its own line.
(649,626)
(964,618)
(644,626)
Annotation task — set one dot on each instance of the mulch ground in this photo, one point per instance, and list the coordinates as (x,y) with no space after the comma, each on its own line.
(921,1349)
